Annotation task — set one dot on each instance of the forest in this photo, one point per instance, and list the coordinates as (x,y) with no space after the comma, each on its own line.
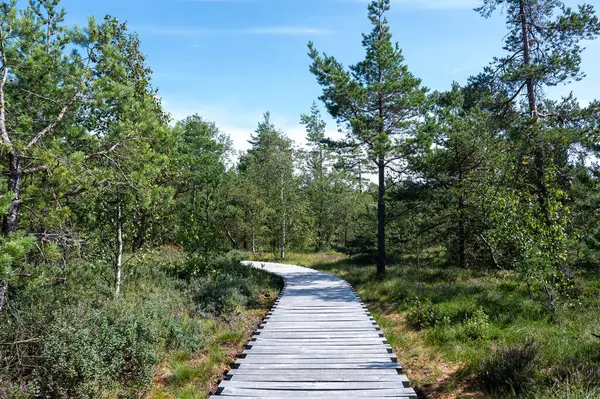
(468,219)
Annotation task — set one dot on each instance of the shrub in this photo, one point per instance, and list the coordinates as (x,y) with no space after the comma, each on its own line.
(75,341)
(84,351)
(235,255)
(508,370)
(228,285)
(477,326)
(18,390)
(422,314)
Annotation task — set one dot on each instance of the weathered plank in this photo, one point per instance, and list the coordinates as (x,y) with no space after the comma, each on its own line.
(318,386)
(346,393)
(324,366)
(330,373)
(291,395)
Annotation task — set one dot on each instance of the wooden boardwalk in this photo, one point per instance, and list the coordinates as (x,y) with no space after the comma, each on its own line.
(318,341)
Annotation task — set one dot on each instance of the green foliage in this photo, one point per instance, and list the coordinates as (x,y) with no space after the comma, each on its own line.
(86,351)
(227,286)
(422,314)
(201,185)
(477,326)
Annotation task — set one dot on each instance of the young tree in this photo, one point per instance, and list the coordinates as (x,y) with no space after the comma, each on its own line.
(378,99)
(45,70)
(321,178)
(270,166)
(126,125)
(200,159)
(462,153)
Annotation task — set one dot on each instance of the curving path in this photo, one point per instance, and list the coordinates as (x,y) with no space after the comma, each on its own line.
(318,341)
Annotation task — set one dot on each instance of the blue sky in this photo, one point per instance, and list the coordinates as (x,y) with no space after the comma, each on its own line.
(232,60)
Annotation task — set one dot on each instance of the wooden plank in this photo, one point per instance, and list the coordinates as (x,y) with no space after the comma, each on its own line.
(316,324)
(316,350)
(367,360)
(324,366)
(322,329)
(317,356)
(292,395)
(399,380)
(318,334)
(317,341)
(306,385)
(308,348)
(353,373)
(347,393)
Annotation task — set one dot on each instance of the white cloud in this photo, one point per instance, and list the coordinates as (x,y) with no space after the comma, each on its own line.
(240,125)
(433,4)
(283,30)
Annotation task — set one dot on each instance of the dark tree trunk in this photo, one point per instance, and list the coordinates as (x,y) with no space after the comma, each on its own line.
(9,223)
(282,220)
(381,220)
(527,59)
(539,154)
(461,221)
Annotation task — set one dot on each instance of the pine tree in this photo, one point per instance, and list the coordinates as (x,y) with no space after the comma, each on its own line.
(378,99)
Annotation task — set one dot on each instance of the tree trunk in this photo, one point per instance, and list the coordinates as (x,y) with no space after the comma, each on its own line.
(282,222)
(320,229)
(253,235)
(527,59)
(3,294)
(461,222)
(9,224)
(381,220)
(539,153)
(119,263)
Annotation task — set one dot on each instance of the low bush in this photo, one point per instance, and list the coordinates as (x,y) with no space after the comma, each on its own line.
(477,326)
(228,286)
(508,370)
(85,350)
(422,314)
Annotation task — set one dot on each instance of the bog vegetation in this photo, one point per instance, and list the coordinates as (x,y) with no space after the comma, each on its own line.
(122,230)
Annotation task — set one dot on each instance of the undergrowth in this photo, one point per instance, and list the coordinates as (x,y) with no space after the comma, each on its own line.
(166,337)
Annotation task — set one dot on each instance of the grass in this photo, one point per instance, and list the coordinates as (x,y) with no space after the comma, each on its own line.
(466,333)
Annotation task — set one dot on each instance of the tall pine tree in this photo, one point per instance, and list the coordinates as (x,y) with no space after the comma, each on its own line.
(378,99)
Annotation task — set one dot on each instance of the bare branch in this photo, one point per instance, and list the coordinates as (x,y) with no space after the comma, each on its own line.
(5,138)
(36,169)
(101,153)
(53,125)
